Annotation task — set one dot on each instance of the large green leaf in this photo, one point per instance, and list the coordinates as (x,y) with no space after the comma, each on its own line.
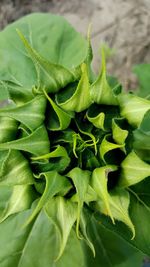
(51,76)
(111,250)
(139,213)
(36,245)
(20,199)
(49,35)
(40,238)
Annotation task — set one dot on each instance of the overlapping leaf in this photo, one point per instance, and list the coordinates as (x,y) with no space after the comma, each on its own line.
(119,201)
(36,143)
(101,92)
(133,170)
(55,184)
(30,114)
(63,213)
(133,108)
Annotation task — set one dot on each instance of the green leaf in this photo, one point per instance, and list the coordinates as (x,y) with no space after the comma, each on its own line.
(3,93)
(58,119)
(36,143)
(79,99)
(55,184)
(5,195)
(81,180)
(133,108)
(30,114)
(3,159)
(141,136)
(50,76)
(118,132)
(85,128)
(139,213)
(106,146)
(89,56)
(101,116)
(84,219)
(8,129)
(16,92)
(89,160)
(99,184)
(15,169)
(111,249)
(63,213)
(101,92)
(59,153)
(133,170)
(143,73)
(17,250)
(98,120)
(21,199)
(50,35)
(119,200)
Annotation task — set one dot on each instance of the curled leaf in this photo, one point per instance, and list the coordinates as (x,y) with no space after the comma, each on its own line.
(133,108)
(60,154)
(78,99)
(58,119)
(107,145)
(99,184)
(101,92)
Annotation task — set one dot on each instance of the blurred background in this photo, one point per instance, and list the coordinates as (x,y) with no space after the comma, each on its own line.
(124,25)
